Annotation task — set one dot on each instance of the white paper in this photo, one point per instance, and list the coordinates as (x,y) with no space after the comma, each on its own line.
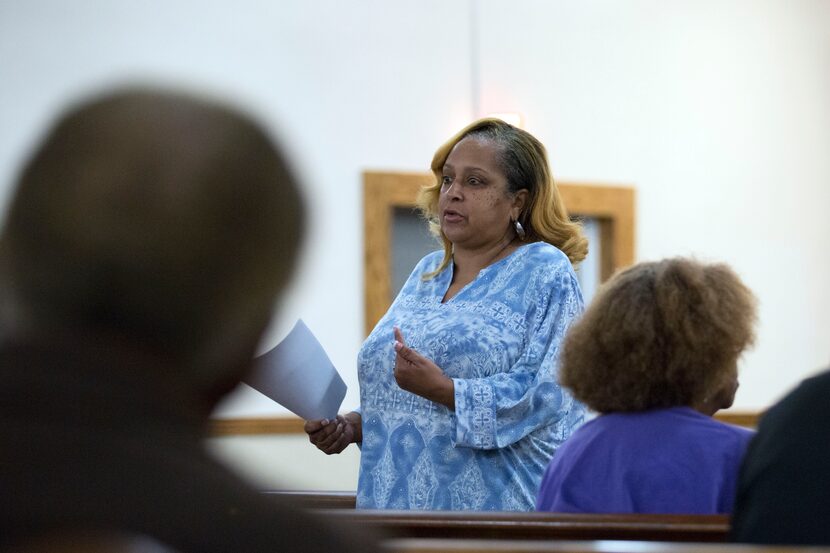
(297,374)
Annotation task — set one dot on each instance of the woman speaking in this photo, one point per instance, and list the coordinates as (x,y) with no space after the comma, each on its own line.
(460,406)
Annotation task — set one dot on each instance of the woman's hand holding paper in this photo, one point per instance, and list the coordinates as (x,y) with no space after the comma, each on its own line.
(333,435)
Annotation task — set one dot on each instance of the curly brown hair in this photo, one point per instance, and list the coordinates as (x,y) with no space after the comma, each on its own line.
(659,334)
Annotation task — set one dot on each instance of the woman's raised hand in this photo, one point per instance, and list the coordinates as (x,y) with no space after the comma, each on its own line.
(333,435)
(417,374)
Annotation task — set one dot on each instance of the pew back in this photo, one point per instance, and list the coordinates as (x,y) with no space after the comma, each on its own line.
(536,526)
(514,525)
(541,546)
(310,499)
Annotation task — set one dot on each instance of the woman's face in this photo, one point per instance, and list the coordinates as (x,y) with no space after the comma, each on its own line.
(724,396)
(474,207)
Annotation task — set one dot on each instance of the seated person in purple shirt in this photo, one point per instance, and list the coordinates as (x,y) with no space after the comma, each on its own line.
(655,355)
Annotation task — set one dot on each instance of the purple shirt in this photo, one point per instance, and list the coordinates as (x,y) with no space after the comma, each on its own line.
(662,461)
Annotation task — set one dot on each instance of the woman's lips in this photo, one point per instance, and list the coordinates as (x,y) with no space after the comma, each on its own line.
(453,217)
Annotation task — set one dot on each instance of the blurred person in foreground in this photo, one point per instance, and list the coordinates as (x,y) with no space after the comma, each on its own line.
(784,482)
(142,254)
(655,355)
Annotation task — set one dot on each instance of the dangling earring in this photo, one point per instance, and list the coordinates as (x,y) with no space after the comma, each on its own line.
(520,231)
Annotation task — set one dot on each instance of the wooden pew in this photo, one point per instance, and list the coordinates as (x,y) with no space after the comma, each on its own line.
(513,525)
(316,499)
(542,546)
(535,526)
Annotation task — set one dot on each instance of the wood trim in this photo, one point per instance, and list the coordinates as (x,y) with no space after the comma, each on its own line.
(613,206)
(289,424)
(748,419)
(382,192)
(258,425)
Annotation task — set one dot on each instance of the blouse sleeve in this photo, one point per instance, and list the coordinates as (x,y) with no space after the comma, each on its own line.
(499,410)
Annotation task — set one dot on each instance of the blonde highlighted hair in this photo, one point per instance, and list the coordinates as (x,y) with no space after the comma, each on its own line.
(524,162)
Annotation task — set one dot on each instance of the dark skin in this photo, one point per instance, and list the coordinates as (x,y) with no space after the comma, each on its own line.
(417,374)
(332,436)
(722,398)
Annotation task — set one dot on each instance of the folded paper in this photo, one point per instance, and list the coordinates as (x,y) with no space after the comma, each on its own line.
(297,374)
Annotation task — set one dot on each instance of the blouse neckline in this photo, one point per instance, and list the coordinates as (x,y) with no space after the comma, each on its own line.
(451,268)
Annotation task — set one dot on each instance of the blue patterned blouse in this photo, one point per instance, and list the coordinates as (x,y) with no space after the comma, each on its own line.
(498,339)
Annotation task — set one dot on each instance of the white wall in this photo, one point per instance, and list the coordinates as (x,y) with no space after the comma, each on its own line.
(718,111)
(288,462)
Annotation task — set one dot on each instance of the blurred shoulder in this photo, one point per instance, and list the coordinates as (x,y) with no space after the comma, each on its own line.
(805,406)
(814,388)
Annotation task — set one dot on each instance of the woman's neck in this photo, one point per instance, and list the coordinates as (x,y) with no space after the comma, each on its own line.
(471,261)
(468,263)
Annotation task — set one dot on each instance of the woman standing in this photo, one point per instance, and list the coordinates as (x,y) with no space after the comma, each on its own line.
(460,403)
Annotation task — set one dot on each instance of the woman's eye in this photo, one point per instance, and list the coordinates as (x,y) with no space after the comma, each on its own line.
(446,181)
(473,181)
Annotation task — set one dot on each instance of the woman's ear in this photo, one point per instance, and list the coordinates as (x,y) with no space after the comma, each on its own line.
(519,202)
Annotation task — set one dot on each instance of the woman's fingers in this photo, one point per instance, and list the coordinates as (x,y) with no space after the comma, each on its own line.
(332,436)
(408,354)
(322,436)
(344,439)
(315,425)
(404,351)
(408,369)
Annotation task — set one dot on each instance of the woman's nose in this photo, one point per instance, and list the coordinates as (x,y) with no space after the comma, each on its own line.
(453,190)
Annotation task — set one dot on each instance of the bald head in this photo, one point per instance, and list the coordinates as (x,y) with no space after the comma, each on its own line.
(163,218)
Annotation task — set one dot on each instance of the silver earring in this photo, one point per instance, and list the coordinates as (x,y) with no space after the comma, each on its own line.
(520,231)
